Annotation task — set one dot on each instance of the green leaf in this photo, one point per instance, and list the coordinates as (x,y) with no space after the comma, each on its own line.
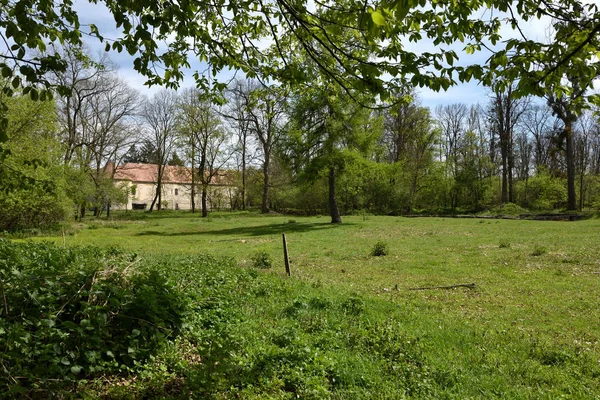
(378,18)
(6,71)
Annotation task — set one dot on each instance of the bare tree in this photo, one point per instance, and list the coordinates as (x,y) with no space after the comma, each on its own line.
(505,112)
(236,113)
(85,80)
(401,124)
(202,130)
(264,111)
(160,114)
(451,118)
(537,121)
(109,121)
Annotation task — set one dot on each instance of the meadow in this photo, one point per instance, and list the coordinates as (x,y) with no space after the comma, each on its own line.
(348,324)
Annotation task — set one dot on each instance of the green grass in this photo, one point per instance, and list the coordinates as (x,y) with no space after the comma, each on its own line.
(530,329)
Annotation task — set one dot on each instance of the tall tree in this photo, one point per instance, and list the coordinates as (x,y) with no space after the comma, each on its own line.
(85,81)
(160,114)
(451,118)
(263,111)
(33,181)
(325,129)
(206,140)
(409,137)
(567,109)
(537,122)
(505,112)
(109,120)
(236,114)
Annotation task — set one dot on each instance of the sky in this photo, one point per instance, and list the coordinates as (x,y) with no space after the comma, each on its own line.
(468,93)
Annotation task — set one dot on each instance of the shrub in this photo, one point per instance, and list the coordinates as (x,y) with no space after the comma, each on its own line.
(353,305)
(538,251)
(379,249)
(70,313)
(504,244)
(262,259)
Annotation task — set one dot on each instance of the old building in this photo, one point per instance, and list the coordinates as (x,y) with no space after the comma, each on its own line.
(141,182)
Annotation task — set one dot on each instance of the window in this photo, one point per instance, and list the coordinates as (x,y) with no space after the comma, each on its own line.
(176,192)
(133,190)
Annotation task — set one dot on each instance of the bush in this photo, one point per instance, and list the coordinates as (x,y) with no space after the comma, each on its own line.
(538,251)
(70,313)
(380,249)
(504,244)
(262,259)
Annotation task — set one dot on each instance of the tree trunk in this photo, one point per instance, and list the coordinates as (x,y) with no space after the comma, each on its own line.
(511,165)
(265,197)
(193,183)
(107,209)
(159,205)
(244,176)
(154,201)
(571,197)
(504,198)
(204,206)
(193,195)
(333,207)
(581,194)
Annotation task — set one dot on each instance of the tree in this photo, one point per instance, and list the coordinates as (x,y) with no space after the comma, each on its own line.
(227,35)
(409,137)
(537,122)
(587,128)
(145,154)
(240,123)
(567,109)
(108,119)
(33,185)
(160,114)
(263,111)
(202,132)
(505,112)
(451,119)
(325,133)
(176,160)
(84,81)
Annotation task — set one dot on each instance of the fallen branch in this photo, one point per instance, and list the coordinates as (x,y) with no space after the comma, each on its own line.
(467,285)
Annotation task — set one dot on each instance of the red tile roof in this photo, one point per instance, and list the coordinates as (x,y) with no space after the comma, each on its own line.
(172,174)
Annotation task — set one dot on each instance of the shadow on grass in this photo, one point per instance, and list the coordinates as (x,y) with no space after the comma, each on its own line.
(261,230)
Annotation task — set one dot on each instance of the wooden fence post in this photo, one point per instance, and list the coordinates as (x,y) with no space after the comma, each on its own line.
(285,257)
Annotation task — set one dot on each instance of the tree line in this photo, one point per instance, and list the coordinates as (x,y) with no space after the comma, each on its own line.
(308,149)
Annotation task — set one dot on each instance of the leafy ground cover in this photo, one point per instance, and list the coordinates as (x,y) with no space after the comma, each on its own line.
(346,324)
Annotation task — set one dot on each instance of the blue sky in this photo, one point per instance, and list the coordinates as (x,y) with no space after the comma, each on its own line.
(468,93)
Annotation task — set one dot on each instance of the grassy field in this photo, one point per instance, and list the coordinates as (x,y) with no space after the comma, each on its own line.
(529,329)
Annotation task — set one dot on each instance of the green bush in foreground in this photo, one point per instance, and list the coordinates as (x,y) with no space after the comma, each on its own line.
(71,313)
(204,328)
